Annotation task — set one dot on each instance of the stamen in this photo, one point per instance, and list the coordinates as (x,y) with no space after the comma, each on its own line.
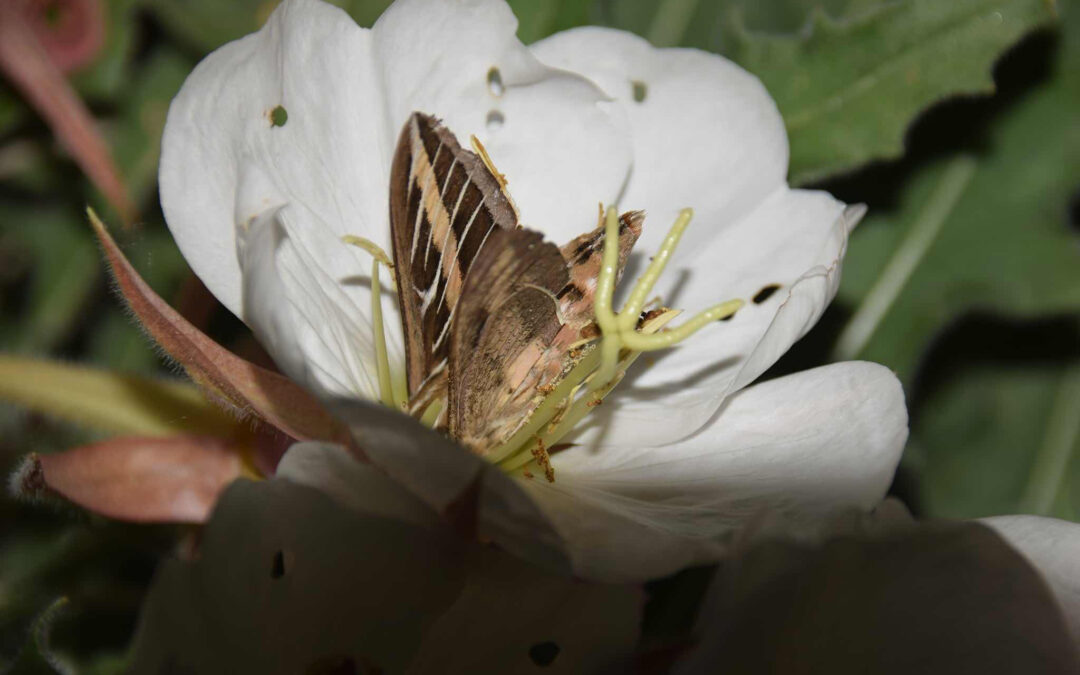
(543,460)
(571,409)
(647,343)
(621,330)
(629,315)
(382,360)
(371,247)
(602,299)
(546,410)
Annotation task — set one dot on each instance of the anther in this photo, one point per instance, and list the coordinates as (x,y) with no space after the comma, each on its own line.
(622,330)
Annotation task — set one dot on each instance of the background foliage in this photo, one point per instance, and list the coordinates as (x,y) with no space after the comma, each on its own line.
(955,122)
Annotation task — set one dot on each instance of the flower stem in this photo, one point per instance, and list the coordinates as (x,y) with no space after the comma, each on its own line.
(912,249)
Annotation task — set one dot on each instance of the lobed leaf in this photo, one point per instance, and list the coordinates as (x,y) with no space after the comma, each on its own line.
(848,89)
(1000,243)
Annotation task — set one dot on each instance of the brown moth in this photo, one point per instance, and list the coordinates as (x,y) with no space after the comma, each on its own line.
(490,311)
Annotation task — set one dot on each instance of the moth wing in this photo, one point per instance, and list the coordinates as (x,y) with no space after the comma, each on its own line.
(505,325)
(444,205)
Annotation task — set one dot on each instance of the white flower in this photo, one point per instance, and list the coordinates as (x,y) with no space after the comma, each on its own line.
(280,143)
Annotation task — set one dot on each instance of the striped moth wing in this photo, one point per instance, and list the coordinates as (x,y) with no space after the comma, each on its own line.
(444,204)
(490,311)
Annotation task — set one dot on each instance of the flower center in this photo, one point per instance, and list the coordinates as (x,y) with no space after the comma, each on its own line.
(604,359)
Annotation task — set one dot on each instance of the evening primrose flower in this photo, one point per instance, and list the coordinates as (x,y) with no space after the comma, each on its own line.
(279,146)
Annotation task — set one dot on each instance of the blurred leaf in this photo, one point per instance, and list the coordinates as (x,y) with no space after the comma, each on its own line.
(208,24)
(12,110)
(364,12)
(537,20)
(103,78)
(107,75)
(1000,438)
(63,268)
(902,598)
(36,657)
(849,89)
(136,135)
(993,237)
(706,24)
(33,71)
(110,401)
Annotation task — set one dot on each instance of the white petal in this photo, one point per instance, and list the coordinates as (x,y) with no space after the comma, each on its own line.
(327,159)
(561,145)
(800,446)
(706,135)
(353,484)
(296,311)
(794,240)
(347,91)
(1053,547)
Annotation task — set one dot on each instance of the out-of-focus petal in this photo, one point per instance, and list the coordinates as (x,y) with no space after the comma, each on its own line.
(1053,547)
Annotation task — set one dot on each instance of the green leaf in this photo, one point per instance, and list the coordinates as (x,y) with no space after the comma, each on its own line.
(136,135)
(706,24)
(849,89)
(208,24)
(537,20)
(987,233)
(107,75)
(1000,438)
(64,273)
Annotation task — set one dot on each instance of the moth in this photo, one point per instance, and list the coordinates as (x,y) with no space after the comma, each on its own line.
(494,317)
